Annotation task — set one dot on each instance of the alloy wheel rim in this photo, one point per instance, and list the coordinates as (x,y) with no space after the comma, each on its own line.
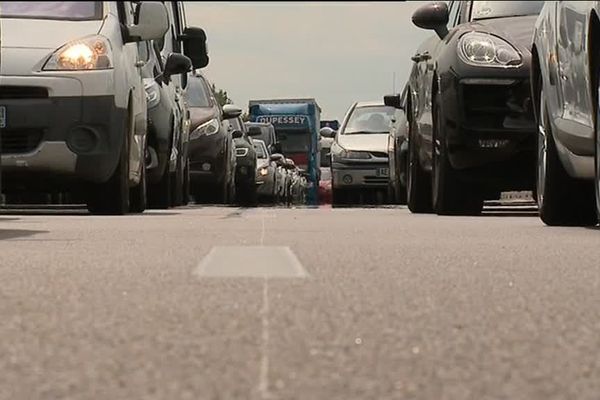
(542,145)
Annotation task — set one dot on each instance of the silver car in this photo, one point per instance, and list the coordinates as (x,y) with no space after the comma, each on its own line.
(359,153)
(565,71)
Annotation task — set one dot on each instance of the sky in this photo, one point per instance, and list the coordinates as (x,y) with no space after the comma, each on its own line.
(335,52)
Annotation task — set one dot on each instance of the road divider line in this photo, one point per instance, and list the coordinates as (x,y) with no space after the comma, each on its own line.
(263,380)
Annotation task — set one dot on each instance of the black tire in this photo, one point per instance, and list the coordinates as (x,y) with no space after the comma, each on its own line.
(159,194)
(562,200)
(177,183)
(340,197)
(450,195)
(137,194)
(419,182)
(185,197)
(247,194)
(112,197)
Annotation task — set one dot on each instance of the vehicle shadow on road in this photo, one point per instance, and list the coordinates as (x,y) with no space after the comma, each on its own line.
(6,234)
(529,214)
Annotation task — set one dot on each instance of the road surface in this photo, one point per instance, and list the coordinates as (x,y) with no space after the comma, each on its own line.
(269,303)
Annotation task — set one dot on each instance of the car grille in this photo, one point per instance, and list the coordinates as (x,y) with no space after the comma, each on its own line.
(23,92)
(18,141)
(493,107)
(376,180)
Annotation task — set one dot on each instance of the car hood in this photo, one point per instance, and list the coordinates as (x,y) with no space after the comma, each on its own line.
(366,142)
(517,30)
(25,33)
(200,115)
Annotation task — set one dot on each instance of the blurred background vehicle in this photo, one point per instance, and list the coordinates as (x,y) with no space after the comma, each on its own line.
(267,134)
(398,148)
(212,150)
(565,78)
(472,130)
(270,177)
(245,172)
(359,154)
(165,120)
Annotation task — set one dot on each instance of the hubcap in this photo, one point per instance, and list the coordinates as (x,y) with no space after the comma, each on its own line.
(542,145)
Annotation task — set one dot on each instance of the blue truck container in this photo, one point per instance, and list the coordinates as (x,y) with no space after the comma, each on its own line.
(297,123)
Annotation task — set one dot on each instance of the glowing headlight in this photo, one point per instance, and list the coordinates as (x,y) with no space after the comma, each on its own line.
(264,171)
(483,49)
(206,129)
(152,92)
(85,54)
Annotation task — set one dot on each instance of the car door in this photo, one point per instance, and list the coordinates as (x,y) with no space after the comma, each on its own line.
(425,72)
(573,71)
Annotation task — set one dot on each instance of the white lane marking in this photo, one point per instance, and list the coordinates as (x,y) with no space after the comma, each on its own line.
(263,380)
(262,233)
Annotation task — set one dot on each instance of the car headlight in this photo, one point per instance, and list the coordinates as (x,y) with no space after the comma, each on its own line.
(483,49)
(89,53)
(152,92)
(206,129)
(264,171)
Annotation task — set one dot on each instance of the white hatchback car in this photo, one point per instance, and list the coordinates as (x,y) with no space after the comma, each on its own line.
(74,103)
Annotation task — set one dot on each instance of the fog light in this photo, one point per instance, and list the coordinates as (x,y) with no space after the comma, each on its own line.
(493,143)
(347,179)
(82,139)
(206,167)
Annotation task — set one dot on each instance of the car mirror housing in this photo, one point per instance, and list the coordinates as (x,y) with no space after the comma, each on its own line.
(231,111)
(393,101)
(433,16)
(177,64)
(194,46)
(237,134)
(153,22)
(327,132)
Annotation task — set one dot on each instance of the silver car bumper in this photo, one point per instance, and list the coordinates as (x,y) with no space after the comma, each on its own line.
(360,176)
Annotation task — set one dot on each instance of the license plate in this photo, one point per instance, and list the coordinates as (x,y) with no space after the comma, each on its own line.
(383,172)
(2,117)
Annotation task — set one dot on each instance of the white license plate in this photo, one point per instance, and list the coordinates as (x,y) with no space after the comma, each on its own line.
(2,117)
(383,172)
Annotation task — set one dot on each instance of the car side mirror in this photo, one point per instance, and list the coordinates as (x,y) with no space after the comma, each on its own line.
(433,16)
(276,157)
(194,46)
(393,100)
(153,22)
(254,131)
(177,64)
(231,111)
(237,134)
(327,132)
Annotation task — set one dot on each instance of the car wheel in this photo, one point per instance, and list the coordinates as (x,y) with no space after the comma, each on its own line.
(177,185)
(450,196)
(562,200)
(137,194)
(112,197)
(418,183)
(185,197)
(159,194)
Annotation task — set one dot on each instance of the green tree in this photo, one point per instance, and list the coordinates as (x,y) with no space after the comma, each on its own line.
(221,96)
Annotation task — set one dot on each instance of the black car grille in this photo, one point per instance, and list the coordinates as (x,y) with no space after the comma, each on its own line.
(492,107)
(23,92)
(379,154)
(18,141)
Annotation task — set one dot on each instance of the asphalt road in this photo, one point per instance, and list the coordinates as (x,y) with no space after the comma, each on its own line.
(364,304)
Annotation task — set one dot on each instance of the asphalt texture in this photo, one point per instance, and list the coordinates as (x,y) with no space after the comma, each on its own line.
(383,305)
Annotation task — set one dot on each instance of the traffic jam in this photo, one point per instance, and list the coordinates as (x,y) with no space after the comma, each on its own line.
(438,240)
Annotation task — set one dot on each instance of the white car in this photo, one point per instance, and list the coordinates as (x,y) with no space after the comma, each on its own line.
(74,100)
(359,153)
(270,177)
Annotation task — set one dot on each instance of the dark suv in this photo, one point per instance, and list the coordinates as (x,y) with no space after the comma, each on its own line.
(211,148)
(245,173)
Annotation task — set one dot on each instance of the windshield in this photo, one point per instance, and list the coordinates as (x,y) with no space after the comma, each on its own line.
(197,93)
(58,10)
(294,141)
(372,119)
(502,9)
(261,149)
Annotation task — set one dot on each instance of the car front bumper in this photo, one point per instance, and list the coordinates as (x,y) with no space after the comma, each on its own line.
(208,158)
(365,175)
(54,133)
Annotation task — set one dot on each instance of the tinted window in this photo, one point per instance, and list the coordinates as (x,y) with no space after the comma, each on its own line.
(500,9)
(197,93)
(294,141)
(375,119)
(59,10)
(261,151)
(453,14)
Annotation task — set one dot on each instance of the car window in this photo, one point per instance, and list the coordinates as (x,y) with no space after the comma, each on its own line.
(198,94)
(453,14)
(503,9)
(260,148)
(371,119)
